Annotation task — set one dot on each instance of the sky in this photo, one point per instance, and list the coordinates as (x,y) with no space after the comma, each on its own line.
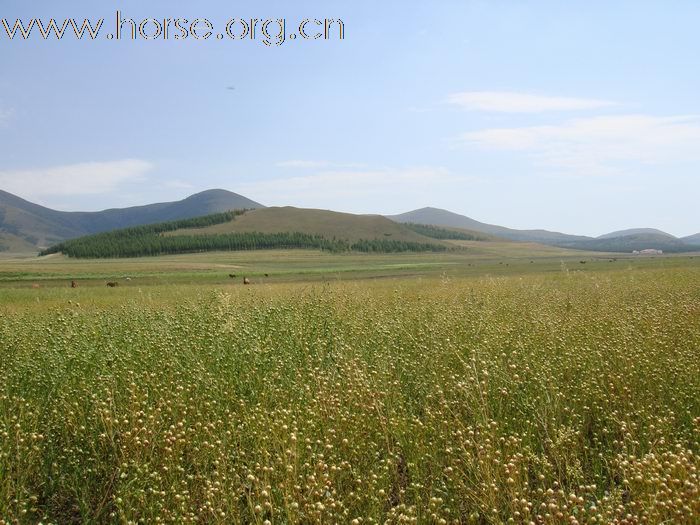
(580,116)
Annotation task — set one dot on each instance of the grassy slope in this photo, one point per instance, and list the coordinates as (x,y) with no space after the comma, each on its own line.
(477,235)
(316,222)
(37,225)
(12,244)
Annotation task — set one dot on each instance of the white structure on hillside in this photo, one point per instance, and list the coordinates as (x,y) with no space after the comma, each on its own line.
(648,251)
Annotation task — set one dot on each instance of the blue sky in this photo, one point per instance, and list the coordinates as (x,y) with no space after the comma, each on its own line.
(578,116)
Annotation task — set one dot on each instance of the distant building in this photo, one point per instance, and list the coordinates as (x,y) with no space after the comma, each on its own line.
(648,251)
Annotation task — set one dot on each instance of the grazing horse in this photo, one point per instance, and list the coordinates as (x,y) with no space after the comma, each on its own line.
(112,284)
(36,285)
(246,280)
(232,275)
(73,284)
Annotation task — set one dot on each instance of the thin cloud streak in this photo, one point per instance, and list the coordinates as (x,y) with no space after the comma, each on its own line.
(345,189)
(88,178)
(302,164)
(316,164)
(598,145)
(513,102)
(179,185)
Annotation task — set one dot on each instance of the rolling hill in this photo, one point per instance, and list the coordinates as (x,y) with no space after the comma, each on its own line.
(327,223)
(438,217)
(38,226)
(260,229)
(652,232)
(633,241)
(693,240)
(26,227)
(618,241)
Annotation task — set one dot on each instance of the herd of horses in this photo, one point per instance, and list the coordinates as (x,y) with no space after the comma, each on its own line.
(114,284)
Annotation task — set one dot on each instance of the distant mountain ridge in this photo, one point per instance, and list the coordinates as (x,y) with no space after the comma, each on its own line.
(633,241)
(40,226)
(635,231)
(439,217)
(25,226)
(693,240)
(619,241)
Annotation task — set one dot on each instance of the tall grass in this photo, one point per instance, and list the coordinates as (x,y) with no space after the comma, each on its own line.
(559,399)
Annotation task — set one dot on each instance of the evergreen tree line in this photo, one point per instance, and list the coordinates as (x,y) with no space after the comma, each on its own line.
(394,246)
(443,233)
(149,241)
(137,232)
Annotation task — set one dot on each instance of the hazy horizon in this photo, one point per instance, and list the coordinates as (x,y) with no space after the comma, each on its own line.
(580,117)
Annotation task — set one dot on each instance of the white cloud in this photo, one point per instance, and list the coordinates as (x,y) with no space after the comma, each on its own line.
(302,164)
(179,184)
(345,188)
(315,164)
(598,145)
(89,178)
(511,102)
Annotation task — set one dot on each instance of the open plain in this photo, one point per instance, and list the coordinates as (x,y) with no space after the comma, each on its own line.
(491,386)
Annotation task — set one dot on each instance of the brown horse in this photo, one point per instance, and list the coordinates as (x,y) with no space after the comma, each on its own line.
(73,284)
(112,284)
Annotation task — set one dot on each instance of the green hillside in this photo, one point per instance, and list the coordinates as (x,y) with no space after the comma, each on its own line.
(40,226)
(277,228)
(329,224)
(447,233)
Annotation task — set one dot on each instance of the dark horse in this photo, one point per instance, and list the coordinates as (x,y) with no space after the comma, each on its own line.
(112,284)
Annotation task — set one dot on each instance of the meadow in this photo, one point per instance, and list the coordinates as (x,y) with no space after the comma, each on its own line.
(544,388)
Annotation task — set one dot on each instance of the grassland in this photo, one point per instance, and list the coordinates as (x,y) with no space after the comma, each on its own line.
(510,385)
(476,259)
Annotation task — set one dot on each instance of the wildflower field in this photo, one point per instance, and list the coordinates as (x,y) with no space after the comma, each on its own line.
(546,398)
